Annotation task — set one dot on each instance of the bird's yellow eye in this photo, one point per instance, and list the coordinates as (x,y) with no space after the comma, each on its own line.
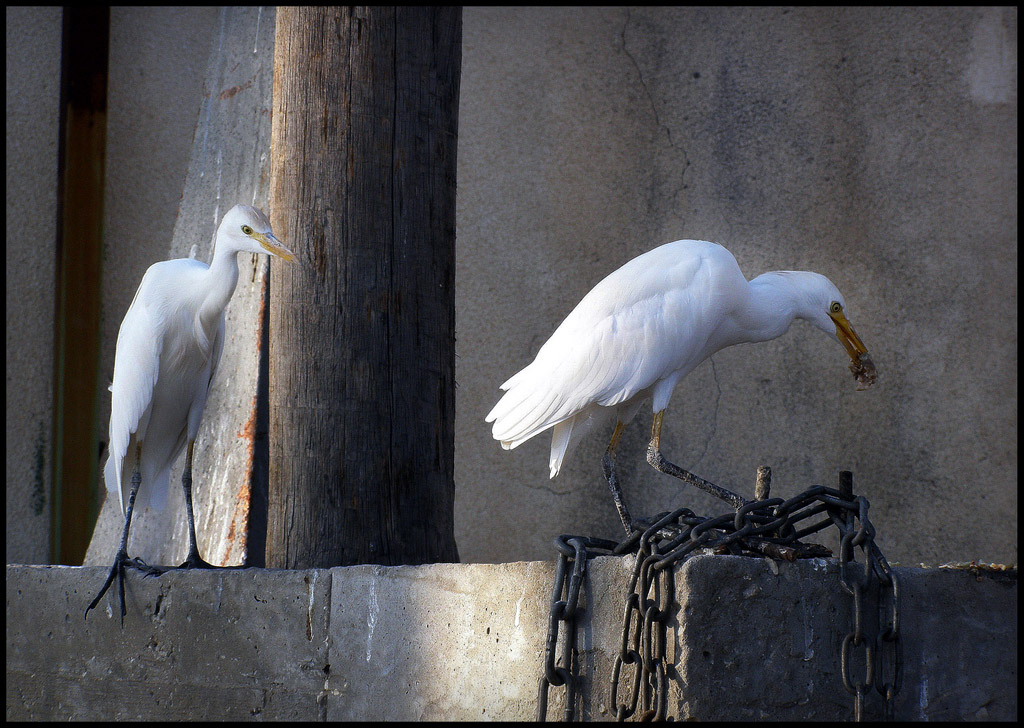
(835,307)
(247,230)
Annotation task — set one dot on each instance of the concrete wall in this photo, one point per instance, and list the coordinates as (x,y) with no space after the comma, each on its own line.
(466,642)
(33,113)
(876,146)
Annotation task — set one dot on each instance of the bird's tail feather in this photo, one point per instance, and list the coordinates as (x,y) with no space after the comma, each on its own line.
(117,474)
(569,432)
(523,411)
(560,437)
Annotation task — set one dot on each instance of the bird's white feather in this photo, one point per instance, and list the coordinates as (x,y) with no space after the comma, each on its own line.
(634,328)
(168,348)
(136,369)
(643,328)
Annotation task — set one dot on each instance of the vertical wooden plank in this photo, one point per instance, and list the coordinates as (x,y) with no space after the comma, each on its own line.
(362,334)
(428,55)
(80,238)
(228,163)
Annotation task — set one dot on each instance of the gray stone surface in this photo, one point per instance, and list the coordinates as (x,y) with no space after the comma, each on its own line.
(769,637)
(438,642)
(33,111)
(749,639)
(239,645)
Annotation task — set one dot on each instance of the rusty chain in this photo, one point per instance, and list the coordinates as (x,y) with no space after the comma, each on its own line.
(766,526)
(573,553)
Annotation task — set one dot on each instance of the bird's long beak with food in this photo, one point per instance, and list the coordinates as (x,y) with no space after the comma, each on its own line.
(860,361)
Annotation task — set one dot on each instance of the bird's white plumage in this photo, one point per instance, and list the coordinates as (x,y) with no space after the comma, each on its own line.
(643,328)
(168,348)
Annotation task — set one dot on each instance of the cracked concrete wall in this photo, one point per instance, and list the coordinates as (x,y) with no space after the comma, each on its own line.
(466,642)
(874,145)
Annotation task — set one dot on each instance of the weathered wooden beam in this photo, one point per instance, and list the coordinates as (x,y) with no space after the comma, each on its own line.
(228,164)
(362,347)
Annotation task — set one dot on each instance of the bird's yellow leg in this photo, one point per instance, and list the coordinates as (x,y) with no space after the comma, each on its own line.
(656,429)
(613,481)
(659,463)
(194,560)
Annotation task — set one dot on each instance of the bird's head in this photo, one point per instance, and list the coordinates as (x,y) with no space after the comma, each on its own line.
(247,230)
(825,308)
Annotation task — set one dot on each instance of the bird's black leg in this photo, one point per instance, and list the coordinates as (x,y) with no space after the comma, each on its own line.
(658,461)
(608,461)
(121,560)
(193,561)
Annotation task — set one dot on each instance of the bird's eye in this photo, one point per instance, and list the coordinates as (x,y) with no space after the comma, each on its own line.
(835,307)
(247,230)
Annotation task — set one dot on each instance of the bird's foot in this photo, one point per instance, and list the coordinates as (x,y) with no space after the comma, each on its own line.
(146,569)
(195,561)
(121,562)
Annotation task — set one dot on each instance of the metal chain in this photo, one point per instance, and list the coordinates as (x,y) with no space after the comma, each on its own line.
(767,526)
(565,611)
(876,630)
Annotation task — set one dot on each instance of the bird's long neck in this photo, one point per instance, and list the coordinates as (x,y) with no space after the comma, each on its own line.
(222,277)
(775,300)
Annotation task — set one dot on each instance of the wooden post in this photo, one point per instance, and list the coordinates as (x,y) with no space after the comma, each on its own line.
(80,252)
(362,339)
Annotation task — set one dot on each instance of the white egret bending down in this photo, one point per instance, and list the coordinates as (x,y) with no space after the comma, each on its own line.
(167,352)
(643,328)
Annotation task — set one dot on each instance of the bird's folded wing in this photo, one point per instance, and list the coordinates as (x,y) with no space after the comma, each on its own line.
(136,367)
(607,362)
(637,326)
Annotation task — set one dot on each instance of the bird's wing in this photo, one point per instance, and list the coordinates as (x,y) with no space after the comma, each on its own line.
(637,326)
(203,391)
(136,367)
(218,347)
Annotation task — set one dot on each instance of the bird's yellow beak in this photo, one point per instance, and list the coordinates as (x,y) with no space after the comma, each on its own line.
(274,246)
(860,362)
(847,336)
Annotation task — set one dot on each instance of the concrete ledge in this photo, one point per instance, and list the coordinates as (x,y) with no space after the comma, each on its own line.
(751,639)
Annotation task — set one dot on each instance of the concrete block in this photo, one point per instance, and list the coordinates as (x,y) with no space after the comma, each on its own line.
(238,645)
(438,642)
(759,640)
(750,639)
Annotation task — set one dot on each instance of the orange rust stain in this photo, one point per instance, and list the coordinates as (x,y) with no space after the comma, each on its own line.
(229,92)
(238,528)
(248,431)
(237,531)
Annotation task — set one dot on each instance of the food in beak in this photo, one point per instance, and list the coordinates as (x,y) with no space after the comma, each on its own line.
(863,371)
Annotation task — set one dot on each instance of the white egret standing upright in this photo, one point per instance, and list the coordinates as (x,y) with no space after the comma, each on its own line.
(167,352)
(643,328)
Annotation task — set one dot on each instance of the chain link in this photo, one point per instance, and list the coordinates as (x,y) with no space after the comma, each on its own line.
(768,526)
(573,551)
